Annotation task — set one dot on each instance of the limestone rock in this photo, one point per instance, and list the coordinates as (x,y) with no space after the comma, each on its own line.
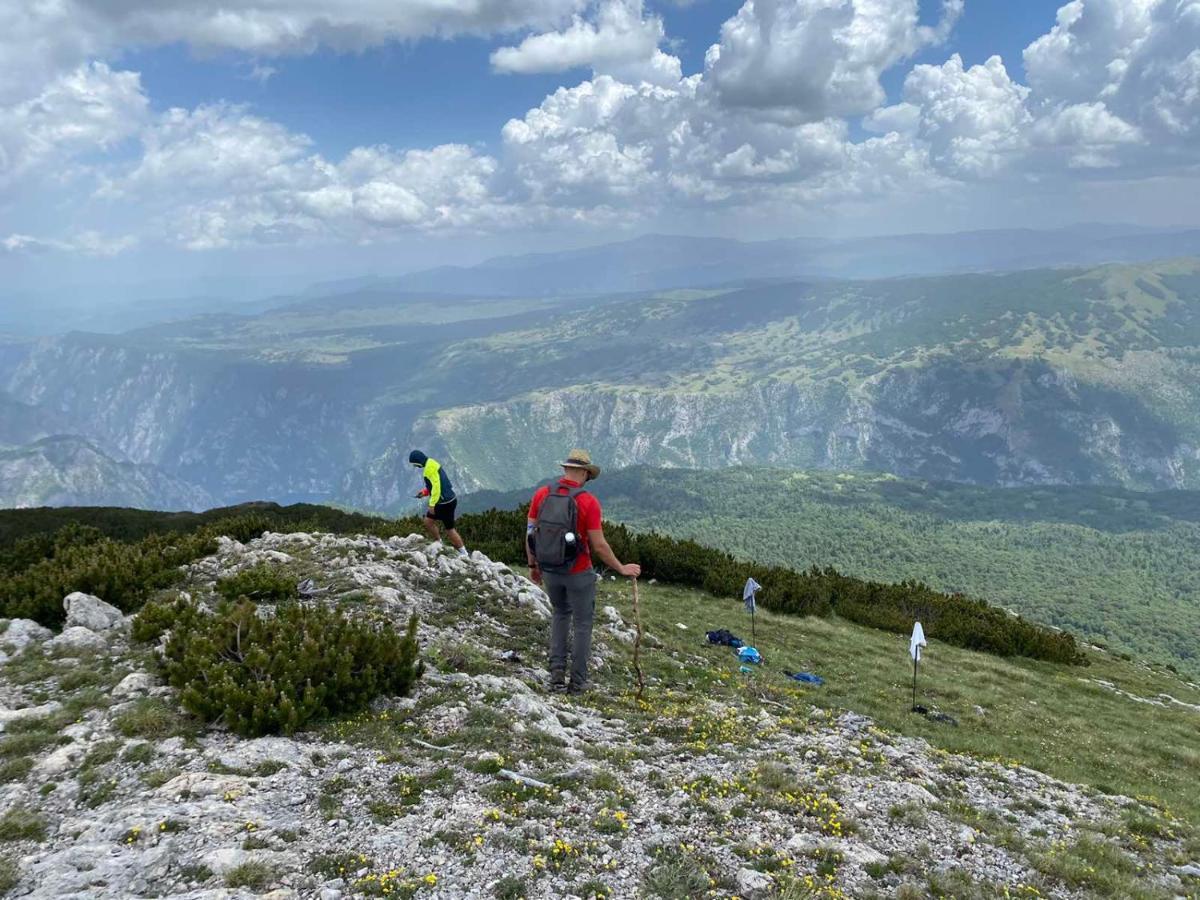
(76,638)
(28,712)
(91,612)
(61,760)
(20,634)
(135,684)
(752,882)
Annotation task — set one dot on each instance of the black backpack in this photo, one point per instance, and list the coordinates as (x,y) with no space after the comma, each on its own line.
(554,541)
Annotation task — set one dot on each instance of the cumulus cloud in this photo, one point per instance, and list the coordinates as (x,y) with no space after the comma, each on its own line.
(767,126)
(219,176)
(974,120)
(87,110)
(1120,80)
(605,146)
(620,41)
(814,59)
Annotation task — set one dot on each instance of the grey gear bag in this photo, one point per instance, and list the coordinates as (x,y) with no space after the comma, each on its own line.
(554,540)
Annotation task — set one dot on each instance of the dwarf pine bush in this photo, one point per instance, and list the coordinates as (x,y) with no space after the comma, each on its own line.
(262,584)
(268,674)
(124,555)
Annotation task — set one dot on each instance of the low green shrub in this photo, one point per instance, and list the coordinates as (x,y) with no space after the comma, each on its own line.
(123,556)
(262,584)
(275,674)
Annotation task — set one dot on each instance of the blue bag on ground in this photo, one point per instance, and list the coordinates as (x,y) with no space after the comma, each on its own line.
(750,655)
(805,677)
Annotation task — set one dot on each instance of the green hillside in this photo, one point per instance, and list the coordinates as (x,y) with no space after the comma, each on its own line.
(1041,377)
(1109,565)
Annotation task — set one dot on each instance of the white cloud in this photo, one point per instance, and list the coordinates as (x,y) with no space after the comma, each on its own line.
(219,176)
(84,111)
(973,120)
(89,243)
(605,146)
(766,130)
(1088,132)
(1140,58)
(1085,54)
(813,59)
(621,41)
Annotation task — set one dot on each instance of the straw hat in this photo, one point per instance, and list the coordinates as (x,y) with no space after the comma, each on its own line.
(581,459)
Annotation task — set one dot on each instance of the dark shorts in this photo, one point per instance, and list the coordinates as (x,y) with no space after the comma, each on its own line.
(444,512)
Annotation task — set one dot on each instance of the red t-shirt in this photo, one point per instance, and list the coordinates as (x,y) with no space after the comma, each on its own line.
(588,518)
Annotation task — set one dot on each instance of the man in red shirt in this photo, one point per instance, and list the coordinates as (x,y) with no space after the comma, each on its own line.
(573,591)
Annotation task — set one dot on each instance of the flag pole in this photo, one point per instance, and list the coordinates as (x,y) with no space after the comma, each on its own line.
(914,703)
(753,630)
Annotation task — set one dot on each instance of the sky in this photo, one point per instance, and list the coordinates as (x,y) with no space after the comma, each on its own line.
(276,142)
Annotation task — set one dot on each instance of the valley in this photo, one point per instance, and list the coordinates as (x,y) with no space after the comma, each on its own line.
(1052,376)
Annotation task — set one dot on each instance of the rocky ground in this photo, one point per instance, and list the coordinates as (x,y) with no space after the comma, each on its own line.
(482,785)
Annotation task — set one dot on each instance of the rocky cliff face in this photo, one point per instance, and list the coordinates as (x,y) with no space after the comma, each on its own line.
(482,785)
(70,471)
(1007,423)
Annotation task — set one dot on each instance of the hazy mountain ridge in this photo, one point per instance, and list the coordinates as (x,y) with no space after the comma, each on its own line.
(1072,376)
(661,262)
(65,470)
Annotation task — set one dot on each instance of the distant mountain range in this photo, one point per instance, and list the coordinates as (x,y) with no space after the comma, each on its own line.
(660,262)
(653,262)
(1072,376)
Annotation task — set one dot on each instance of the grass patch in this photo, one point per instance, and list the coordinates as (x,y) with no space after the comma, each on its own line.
(153,719)
(138,754)
(156,778)
(339,865)
(195,872)
(1101,868)
(22,824)
(15,769)
(510,887)
(676,875)
(9,875)
(256,876)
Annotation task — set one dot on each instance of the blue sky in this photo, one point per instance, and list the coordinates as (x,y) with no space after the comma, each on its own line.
(279,136)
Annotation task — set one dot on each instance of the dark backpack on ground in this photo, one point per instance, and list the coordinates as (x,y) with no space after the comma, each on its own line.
(556,522)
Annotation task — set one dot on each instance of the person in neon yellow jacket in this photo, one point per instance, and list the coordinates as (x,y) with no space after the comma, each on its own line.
(442,502)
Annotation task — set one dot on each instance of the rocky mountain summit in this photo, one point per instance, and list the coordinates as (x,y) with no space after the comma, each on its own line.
(480,784)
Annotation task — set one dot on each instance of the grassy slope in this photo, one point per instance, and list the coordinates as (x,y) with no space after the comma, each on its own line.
(1110,565)
(1052,718)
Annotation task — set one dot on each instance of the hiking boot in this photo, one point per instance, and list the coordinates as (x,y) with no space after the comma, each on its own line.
(557,683)
(578,688)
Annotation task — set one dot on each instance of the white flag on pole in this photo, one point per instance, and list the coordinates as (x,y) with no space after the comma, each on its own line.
(748,593)
(916,642)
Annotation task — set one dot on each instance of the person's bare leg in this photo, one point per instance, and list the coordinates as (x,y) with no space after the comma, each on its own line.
(431,528)
(455,538)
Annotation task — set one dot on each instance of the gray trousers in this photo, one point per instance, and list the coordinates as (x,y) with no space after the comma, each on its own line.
(571,597)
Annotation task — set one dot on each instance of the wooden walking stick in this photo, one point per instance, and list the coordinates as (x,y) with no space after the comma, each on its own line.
(637,642)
